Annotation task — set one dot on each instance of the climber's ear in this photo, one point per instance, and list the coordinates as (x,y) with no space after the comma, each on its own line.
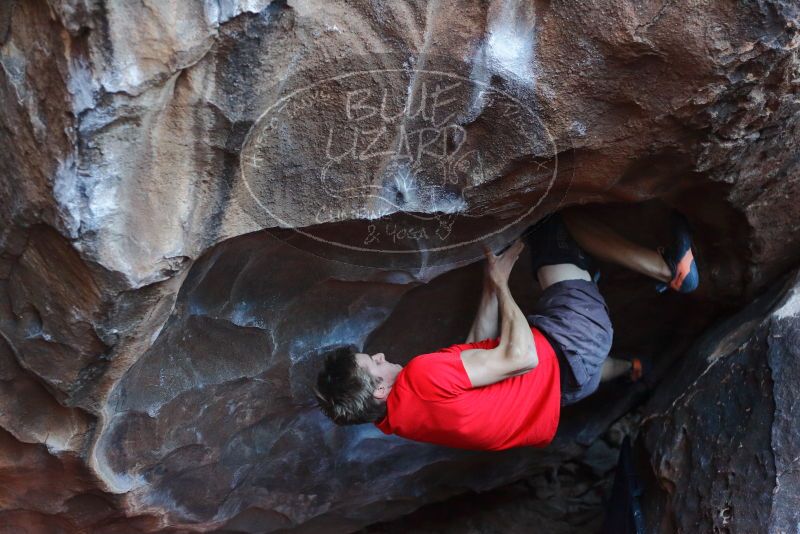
(380,392)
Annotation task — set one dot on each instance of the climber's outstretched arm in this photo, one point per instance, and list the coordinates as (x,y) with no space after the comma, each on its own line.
(516,352)
(486,323)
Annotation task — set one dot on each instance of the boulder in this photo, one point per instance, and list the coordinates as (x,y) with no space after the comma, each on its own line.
(198,197)
(722,433)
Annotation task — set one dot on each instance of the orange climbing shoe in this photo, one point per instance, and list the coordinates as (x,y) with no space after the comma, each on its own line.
(637,370)
(680,258)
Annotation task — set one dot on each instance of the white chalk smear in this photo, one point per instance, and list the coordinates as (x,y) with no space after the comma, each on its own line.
(791,307)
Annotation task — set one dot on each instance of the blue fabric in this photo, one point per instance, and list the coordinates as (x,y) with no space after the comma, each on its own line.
(572,314)
(574,317)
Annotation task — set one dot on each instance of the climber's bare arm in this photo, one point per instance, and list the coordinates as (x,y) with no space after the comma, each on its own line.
(516,352)
(486,323)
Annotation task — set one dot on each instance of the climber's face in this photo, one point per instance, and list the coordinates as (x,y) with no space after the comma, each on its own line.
(384,373)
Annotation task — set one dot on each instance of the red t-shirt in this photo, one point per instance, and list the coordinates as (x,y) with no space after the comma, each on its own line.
(433,400)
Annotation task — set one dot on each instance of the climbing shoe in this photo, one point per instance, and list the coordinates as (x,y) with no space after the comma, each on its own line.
(640,368)
(680,258)
(640,371)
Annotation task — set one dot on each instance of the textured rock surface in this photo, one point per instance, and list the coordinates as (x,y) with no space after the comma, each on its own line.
(723,431)
(157,345)
(570,498)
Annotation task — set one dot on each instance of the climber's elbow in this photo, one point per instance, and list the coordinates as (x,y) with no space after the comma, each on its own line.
(523,359)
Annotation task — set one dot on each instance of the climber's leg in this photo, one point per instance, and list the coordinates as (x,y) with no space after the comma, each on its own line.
(606,244)
(570,312)
(560,272)
(555,256)
(615,368)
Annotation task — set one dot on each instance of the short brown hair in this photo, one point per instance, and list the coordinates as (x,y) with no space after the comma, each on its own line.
(344,390)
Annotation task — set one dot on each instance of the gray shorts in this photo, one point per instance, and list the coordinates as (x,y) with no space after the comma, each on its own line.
(573,316)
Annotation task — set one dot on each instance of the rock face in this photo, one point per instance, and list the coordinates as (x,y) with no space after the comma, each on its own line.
(196,197)
(570,498)
(723,431)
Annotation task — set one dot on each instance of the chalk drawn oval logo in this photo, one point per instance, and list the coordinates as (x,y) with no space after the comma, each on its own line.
(416,155)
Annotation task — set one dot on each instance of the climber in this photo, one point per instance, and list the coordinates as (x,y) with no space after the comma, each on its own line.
(505,385)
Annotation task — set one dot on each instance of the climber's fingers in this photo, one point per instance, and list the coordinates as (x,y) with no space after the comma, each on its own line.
(514,249)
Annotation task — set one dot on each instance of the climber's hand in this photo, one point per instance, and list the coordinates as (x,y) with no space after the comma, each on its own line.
(498,267)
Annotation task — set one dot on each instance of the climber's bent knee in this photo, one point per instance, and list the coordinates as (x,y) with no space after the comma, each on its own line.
(555,256)
(553,274)
(573,316)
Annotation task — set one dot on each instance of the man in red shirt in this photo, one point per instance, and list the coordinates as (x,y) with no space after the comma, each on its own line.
(505,386)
